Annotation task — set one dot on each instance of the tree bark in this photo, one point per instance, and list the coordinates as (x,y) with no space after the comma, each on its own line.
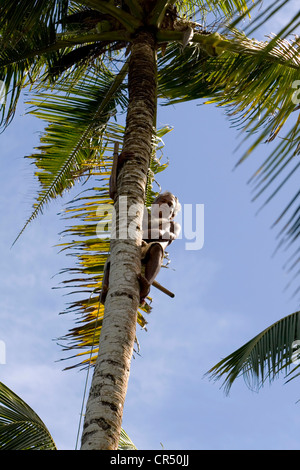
(104,411)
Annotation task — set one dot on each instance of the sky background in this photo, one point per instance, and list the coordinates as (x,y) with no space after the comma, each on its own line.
(226,293)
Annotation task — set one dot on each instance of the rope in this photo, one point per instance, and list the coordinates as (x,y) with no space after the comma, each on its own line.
(87,377)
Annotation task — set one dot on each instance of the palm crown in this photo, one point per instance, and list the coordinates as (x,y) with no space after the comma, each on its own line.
(74,56)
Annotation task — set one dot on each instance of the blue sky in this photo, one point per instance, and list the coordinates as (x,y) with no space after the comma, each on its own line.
(226,293)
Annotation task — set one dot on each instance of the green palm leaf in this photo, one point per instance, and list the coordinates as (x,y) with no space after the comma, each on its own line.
(20,427)
(19,67)
(263,357)
(18,17)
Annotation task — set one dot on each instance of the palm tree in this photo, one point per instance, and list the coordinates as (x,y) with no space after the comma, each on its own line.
(75,56)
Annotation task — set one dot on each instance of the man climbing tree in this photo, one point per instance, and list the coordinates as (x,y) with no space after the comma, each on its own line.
(159,230)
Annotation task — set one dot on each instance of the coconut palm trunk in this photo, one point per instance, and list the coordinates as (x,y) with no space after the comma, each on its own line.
(105,404)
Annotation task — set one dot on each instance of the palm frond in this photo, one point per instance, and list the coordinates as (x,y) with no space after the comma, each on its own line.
(26,30)
(78,117)
(263,357)
(20,427)
(38,45)
(135,8)
(19,17)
